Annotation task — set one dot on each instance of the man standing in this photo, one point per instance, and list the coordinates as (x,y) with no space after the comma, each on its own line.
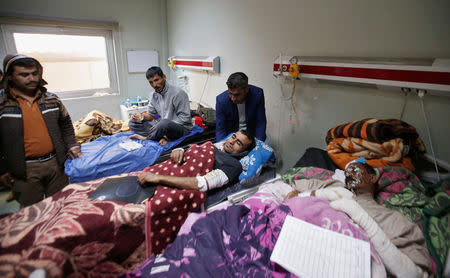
(172,105)
(240,107)
(36,133)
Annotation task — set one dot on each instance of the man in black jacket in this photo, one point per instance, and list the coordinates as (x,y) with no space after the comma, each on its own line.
(36,133)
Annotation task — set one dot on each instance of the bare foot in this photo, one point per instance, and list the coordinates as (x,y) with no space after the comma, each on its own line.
(164,141)
(137,136)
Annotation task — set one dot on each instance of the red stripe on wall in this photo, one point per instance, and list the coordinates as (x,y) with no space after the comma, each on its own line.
(194,63)
(432,77)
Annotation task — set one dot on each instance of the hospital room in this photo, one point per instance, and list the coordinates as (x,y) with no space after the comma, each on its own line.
(194,138)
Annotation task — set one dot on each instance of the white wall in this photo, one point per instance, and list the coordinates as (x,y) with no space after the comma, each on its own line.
(248,35)
(142,26)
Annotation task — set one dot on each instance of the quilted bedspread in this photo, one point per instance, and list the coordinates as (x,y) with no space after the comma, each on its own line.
(71,235)
(237,241)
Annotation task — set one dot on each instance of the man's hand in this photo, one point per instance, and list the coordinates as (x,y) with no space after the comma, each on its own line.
(144,178)
(144,117)
(7,180)
(177,156)
(75,152)
(137,136)
(136,117)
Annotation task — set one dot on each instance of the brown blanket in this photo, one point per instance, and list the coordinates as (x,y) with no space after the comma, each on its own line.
(96,124)
(378,131)
(389,153)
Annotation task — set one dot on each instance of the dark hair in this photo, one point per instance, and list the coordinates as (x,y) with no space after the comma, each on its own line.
(237,80)
(26,62)
(154,71)
(369,169)
(251,137)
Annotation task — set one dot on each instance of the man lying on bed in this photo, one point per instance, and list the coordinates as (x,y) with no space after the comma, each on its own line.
(399,242)
(226,165)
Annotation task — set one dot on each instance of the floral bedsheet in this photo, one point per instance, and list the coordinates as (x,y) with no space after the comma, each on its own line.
(71,235)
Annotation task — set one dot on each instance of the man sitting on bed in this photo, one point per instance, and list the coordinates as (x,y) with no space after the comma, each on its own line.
(399,242)
(172,105)
(226,165)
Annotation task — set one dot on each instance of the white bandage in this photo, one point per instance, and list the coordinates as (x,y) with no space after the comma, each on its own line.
(178,149)
(333,193)
(213,179)
(395,261)
(339,175)
(304,193)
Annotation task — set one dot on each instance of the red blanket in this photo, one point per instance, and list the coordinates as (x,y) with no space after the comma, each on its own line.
(169,207)
(70,235)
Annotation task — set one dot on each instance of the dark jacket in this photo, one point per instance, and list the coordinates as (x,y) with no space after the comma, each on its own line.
(12,149)
(227,115)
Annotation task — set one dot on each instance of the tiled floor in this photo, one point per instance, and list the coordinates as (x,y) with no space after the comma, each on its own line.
(7,207)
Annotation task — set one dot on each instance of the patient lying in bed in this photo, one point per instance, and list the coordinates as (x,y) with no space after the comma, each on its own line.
(226,165)
(399,242)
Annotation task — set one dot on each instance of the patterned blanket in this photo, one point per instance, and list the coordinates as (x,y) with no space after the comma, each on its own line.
(238,241)
(401,190)
(70,235)
(96,124)
(379,131)
(168,208)
(388,153)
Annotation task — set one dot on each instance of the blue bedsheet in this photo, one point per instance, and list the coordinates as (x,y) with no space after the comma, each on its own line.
(104,157)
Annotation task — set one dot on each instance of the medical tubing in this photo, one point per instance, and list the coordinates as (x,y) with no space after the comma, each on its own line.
(429,134)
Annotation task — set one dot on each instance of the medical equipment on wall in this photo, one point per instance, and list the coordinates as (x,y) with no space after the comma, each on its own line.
(293,72)
(200,63)
(420,76)
(432,75)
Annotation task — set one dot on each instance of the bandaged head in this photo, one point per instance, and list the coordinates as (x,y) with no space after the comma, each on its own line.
(359,175)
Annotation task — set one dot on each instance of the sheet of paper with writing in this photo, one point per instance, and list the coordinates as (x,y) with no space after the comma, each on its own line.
(307,250)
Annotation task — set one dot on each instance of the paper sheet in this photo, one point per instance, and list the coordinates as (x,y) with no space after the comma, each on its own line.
(307,250)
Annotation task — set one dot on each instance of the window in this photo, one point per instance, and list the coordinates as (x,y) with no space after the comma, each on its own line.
(77,62)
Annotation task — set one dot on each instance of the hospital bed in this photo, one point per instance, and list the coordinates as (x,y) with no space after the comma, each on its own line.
(70,232)
(237,237)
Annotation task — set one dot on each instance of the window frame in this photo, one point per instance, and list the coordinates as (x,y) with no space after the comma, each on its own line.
(66,28)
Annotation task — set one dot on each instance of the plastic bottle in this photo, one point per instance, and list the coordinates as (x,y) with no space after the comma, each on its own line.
(127,102)
(139,100)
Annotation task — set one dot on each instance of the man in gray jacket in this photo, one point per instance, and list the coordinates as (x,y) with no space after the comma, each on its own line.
(36,133)
(171,104)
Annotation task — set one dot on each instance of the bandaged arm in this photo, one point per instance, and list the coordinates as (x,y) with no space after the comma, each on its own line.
(214,179)
(211,180)
(328,190)
(396,262)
